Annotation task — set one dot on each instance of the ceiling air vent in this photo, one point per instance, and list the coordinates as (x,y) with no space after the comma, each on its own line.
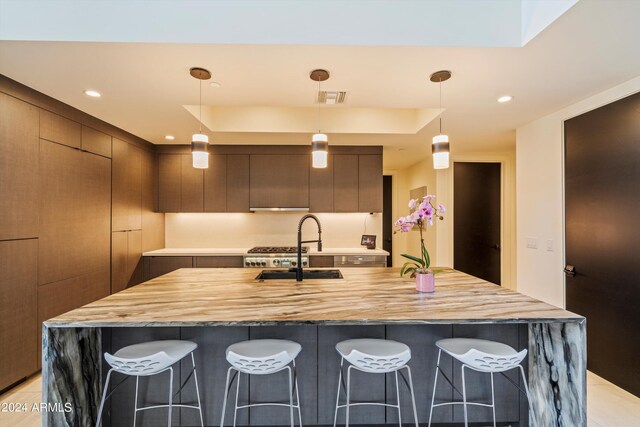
(332,97)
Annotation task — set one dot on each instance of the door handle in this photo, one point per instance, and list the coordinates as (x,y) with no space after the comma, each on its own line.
(569,270)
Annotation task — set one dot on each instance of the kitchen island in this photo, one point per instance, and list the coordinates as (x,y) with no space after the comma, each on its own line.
(217,307)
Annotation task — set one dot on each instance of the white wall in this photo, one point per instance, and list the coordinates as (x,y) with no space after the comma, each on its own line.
(540,199)
(244,230)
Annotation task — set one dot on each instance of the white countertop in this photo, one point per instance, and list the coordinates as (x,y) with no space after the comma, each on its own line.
(243,251)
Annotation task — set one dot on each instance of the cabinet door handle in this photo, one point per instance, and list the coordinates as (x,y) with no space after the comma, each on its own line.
(569,270)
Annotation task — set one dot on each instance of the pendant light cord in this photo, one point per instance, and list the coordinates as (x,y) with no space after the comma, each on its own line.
(200,106)
(318,101)
(440,84)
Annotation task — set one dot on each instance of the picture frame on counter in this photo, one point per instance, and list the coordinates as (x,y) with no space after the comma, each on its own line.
(368,240)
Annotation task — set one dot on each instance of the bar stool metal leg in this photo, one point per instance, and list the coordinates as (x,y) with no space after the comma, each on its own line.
(398,399)
(295,376)
(464,399)
(195,378)
(348,394)
(335,416)
(235,409)
(104,396)
(435,383)
(227,386)
(413,397)
(135,403)
(526,390)
(493,401)
(170,395)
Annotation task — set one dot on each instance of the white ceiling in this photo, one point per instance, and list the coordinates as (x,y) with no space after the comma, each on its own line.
(146,86)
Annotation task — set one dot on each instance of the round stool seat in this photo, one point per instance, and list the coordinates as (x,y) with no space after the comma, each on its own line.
(261,357)
(374,355)
(149,358)
(482,355)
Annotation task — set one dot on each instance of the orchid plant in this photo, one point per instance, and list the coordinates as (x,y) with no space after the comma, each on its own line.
(423,212)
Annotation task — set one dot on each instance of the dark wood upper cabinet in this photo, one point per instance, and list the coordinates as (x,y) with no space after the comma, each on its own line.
(215,184)
(18,292)
(169,182)
(96,142)
(127,186)
(345,182)
(192,186)
(237,183)
(370,183)
(279,181)
(152,221)
(58,129)
(18,169)
(241,178)
(321,188)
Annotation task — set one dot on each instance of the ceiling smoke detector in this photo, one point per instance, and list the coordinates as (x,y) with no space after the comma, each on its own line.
(331,97)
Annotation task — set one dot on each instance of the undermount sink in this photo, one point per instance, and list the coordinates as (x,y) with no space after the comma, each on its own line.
(306,274)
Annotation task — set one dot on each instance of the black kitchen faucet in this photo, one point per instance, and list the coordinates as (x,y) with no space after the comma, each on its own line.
(300,242)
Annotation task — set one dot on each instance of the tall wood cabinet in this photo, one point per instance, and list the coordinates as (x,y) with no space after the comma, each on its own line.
(18,322)
(55,216)
(18,169)
(135,225)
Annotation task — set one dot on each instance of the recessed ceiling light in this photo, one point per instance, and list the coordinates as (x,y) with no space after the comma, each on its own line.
(505,98)
(215,84)
(169,137)
(92,93)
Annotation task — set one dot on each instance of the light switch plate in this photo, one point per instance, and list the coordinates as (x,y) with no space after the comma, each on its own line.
(550,245)
(532,243)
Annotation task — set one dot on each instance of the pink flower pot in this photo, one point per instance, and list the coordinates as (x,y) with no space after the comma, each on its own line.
(425,282)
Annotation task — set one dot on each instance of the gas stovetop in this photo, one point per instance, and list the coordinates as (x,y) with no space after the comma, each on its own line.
(276,250)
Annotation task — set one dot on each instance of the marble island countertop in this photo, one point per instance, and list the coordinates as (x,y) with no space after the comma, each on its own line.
(201,297)
(243,251)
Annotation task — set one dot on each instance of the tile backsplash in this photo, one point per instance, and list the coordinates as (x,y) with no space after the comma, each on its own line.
(238,230)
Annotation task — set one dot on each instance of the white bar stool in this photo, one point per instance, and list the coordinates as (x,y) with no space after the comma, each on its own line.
(375,356)
(152,358)
(482,356)
(262,357)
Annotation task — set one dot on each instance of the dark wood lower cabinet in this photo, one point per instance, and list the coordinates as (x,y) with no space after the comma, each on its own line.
(18,292)
(155,266)
(65,295)
(126,259)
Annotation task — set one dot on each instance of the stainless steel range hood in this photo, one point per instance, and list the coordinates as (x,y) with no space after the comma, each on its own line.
(301,209)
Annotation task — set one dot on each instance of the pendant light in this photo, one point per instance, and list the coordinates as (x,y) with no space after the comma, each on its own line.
(200,141)
(440,145)
(319,141)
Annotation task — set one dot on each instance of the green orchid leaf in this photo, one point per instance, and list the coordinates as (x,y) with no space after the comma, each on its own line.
(425,255)
(414,258)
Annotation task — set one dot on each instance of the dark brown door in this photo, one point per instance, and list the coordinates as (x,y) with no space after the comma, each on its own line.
(387,217)
(476,222)
(602,201)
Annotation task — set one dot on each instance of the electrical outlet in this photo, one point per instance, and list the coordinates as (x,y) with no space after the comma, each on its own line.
(532,243)
(550,245)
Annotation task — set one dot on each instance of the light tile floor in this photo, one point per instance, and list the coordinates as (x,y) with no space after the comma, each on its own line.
(607,404)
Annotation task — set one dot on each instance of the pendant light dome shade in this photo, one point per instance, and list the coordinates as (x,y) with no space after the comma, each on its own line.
(440,151)
(319,150)
(199,151)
